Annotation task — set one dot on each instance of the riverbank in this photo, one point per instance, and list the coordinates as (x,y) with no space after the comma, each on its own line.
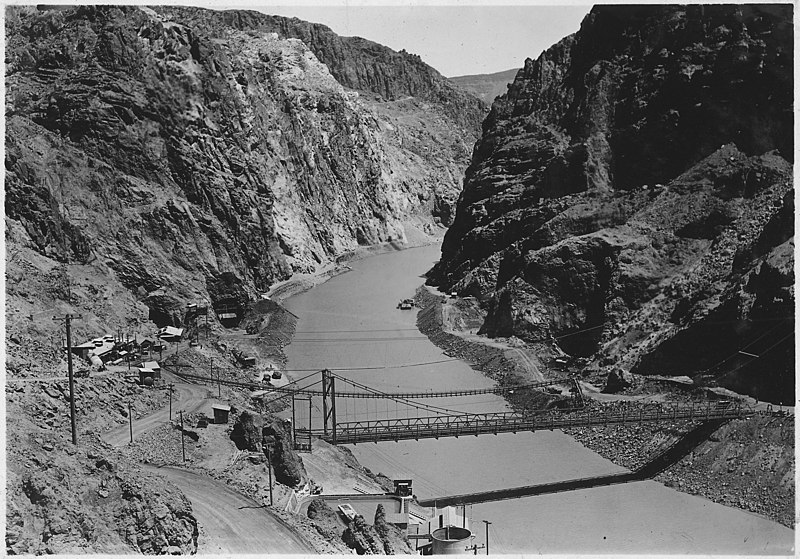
(415,236)
(746,464)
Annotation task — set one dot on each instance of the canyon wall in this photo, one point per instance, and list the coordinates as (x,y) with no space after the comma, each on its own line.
(631,197)
(206,153)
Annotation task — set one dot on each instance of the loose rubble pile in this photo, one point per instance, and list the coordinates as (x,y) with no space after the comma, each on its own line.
(746,464)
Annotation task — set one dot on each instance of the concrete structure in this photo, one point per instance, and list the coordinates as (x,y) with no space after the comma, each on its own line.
(83,349)
(450,540)
(447,532)
(144,374)
(221,412)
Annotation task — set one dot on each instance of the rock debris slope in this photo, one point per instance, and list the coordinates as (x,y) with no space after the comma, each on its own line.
(631,197)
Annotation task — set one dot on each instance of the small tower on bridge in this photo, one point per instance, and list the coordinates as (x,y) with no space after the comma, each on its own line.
(329,404)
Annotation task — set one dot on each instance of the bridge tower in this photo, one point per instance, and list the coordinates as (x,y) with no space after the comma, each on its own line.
(329,404)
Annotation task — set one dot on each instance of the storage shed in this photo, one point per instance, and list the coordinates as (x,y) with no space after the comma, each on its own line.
(221,412)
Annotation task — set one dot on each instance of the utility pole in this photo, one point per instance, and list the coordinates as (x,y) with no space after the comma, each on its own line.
(130,420)
(67,318)
(183,445)
(219,381)
(269,469)
(170,400)
(487,535)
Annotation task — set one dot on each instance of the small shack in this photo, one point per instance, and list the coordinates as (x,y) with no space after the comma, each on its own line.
(221,412)
(153,366)
(170,334)
(83,349)
(402,487)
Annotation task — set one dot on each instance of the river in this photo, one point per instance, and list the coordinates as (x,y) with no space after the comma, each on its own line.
(352,322)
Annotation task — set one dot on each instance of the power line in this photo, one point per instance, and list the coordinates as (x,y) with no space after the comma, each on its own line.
(287,394)
(411,403)
(745,347)
(773,346)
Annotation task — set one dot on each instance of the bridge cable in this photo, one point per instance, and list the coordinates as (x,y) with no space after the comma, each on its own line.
(411,403)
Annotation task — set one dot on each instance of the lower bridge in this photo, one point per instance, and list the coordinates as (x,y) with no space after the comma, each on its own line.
(436,426)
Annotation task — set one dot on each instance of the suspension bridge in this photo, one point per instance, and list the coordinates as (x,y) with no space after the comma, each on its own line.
(562,406)
(444,422)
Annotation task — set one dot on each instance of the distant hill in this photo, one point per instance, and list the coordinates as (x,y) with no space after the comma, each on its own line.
(486,86)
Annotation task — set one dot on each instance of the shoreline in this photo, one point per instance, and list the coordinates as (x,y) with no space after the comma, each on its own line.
(730,485)
(300,283)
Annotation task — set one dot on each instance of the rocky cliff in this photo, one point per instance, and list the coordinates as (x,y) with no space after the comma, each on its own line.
(192,151)
(157,157)
(631,197)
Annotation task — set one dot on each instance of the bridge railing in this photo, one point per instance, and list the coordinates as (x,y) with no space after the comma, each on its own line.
(503,422)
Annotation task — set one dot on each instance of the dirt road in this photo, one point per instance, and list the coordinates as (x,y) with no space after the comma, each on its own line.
(230,522)
(189,398)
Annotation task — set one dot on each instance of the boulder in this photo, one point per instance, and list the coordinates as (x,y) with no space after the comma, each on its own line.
(286,462)
(247,431)
(618,380)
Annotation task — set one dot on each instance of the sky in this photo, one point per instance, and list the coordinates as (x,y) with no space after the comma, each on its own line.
(455,39)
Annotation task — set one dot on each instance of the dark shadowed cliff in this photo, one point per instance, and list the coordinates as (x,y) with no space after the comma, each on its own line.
(631,197)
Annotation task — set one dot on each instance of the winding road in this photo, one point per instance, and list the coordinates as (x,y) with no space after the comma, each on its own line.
(230,522)
(190,398)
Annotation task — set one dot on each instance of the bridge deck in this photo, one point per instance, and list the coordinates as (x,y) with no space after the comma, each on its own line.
(511,422)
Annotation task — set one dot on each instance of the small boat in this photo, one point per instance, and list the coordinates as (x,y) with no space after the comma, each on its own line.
(406,304)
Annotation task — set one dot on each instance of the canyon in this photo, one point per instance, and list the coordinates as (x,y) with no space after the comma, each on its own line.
(625,205)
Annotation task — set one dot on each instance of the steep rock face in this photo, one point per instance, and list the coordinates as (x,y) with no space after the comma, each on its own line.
(190,156)
(360,64)
(567,232)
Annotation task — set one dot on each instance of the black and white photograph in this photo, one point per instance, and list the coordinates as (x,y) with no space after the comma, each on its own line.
(421,277)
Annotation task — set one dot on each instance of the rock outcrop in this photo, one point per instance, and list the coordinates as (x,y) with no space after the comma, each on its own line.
(192,151)
(286,462)
(64,499)
(631,197)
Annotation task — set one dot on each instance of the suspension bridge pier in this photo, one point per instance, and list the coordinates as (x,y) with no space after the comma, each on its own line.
(329,404)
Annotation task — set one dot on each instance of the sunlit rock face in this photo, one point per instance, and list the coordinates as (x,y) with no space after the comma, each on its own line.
(185,148)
